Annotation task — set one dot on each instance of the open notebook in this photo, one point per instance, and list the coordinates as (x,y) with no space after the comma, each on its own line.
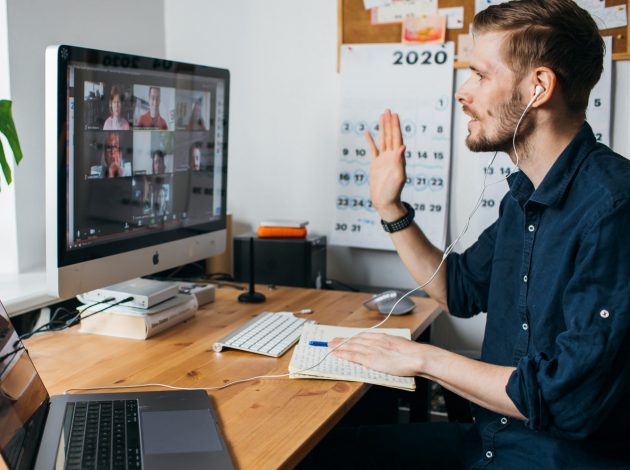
(305,356)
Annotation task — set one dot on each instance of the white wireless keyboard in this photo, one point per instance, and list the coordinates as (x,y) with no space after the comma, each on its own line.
(269,333)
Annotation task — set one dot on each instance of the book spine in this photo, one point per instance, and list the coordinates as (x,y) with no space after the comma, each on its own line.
(281,232)
(160,322)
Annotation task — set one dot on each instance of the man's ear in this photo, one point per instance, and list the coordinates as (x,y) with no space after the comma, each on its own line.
(545,78)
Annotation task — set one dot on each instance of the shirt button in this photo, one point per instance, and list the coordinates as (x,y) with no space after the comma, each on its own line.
(489,454)
(504,420)
(604,314)
(525,278)
(531,228)
(524,325)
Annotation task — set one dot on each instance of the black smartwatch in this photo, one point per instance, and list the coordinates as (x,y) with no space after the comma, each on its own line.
(404,222)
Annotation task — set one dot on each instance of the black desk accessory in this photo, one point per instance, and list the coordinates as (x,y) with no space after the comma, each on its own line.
(251,296)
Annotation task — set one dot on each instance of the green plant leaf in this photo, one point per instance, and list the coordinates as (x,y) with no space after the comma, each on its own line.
(7,127)
(6,169)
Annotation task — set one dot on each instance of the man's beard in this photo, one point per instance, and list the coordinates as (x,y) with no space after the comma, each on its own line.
(507,117)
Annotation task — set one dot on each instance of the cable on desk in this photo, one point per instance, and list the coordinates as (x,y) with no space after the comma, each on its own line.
(446,252)
(51,325)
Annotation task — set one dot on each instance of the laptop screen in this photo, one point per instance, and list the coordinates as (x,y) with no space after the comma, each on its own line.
(23,400)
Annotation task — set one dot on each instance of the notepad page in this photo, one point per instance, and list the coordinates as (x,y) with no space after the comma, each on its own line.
(305,356)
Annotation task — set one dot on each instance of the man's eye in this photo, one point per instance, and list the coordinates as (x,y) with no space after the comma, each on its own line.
(479,76)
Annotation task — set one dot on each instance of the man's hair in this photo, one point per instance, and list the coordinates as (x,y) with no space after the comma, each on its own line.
(157,153)
(552,33)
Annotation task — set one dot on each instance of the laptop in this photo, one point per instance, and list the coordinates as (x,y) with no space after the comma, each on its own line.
(134,430)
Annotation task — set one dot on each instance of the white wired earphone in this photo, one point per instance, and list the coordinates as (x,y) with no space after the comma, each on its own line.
(537,91)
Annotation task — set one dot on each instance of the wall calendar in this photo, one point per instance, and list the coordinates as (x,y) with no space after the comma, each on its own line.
(417,83)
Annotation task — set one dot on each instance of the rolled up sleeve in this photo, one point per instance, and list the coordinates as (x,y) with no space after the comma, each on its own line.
(573,392)
(468,276)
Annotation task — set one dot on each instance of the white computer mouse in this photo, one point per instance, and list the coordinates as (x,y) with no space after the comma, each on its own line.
(384,302)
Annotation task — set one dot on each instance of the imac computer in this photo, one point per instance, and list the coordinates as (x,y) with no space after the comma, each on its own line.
(136,166)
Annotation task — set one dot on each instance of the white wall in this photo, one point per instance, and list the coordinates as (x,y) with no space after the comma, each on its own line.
(284,95)
(284,113)
(8,236)
(134,27)
(283,126)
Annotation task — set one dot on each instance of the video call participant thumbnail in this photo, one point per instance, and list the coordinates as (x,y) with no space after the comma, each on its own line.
(115,121)
(192,110)
(152,118)
(194,157)
(112,164)
(158,166)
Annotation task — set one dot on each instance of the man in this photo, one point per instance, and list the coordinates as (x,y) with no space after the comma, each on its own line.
(152,117)
(552,387)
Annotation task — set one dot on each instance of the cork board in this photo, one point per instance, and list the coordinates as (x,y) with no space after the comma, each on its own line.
(354,27)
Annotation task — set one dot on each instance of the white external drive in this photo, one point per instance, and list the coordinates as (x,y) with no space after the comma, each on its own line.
(145,292)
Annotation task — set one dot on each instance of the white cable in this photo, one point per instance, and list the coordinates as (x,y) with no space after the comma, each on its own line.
(448,250)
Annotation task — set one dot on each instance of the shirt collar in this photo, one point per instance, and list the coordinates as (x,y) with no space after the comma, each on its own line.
(554,184)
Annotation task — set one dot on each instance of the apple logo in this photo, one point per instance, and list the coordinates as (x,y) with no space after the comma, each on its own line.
(156,258)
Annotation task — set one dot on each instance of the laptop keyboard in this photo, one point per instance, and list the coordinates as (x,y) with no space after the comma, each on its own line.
(103,435)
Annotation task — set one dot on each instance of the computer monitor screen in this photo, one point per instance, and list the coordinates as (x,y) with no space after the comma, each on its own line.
(136,166)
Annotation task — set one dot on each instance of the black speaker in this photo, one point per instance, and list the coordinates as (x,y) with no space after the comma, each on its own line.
(282,261)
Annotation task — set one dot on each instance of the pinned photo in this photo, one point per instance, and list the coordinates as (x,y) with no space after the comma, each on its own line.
(424,29)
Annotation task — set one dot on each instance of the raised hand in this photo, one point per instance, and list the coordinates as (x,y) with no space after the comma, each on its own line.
(387,170)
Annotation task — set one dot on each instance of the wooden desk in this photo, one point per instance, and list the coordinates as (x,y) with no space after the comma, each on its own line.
(271,423)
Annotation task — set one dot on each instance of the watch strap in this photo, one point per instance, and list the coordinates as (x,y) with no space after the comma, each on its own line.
(402,223)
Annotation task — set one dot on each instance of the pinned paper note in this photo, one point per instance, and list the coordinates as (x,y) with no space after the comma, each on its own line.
(399,9)
(612,17)
(594,7)
(369,4)
(454,17)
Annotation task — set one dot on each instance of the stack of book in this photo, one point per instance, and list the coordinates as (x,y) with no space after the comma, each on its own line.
(137,323)
(282,229)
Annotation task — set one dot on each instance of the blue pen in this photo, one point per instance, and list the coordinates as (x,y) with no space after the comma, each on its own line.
(323,344)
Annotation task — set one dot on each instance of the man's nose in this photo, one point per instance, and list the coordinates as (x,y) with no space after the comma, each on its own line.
(460,95)
(463,95)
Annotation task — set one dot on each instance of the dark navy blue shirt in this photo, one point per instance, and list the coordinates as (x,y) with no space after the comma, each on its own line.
(553,274)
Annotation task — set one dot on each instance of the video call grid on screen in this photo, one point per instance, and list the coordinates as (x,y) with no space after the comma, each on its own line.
(145,152)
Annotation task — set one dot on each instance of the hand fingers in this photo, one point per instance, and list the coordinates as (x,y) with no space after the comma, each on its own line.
(335,342)
(354,352)
(381,134)
(371,144)
(401,154)
(396,132)
(364,339)
(386,130)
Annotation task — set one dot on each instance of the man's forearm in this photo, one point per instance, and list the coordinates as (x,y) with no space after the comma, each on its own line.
(479,382)
(422,259)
